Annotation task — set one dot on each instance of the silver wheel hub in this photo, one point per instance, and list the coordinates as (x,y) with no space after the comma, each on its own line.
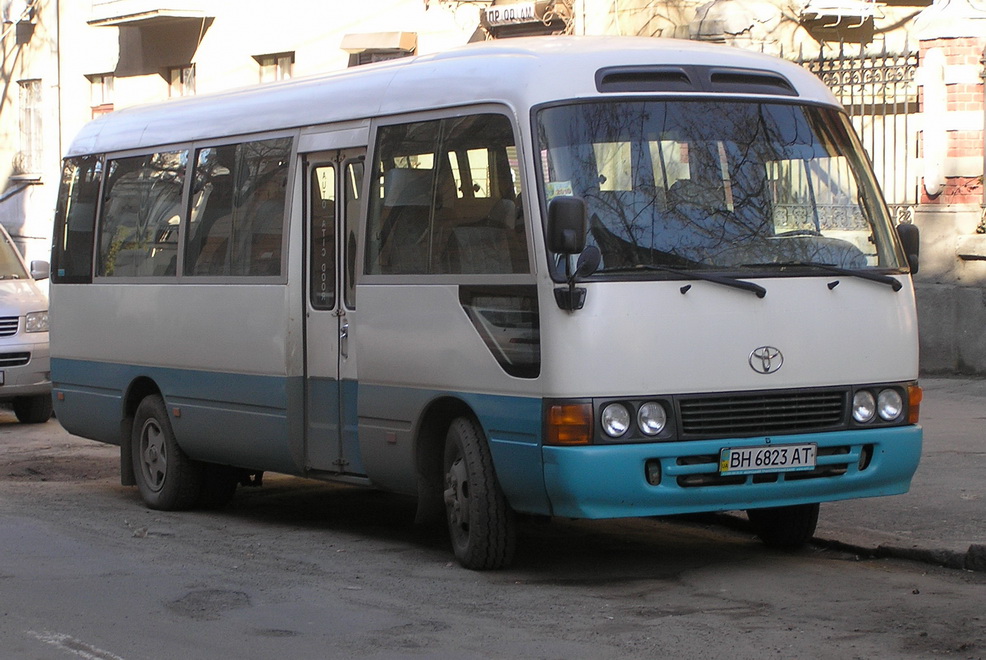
(154,455)
(457,495)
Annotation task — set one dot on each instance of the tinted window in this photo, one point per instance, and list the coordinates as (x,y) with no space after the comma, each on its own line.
(236,218)
(141,215)
(446,199)
(75,220)
(323,236)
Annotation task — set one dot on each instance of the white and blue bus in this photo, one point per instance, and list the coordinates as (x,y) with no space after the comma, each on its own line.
(574,276)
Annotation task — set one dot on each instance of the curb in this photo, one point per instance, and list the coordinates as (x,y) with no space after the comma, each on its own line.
(974,559)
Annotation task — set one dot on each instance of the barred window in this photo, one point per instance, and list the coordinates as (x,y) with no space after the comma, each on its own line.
(28,159)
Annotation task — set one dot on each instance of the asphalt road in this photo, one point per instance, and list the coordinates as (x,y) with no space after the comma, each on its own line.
(308,570)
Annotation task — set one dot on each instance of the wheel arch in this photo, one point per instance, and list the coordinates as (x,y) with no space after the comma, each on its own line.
(139,389)
(429,451)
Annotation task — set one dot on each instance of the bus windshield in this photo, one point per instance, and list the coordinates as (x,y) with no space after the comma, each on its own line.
(717,185)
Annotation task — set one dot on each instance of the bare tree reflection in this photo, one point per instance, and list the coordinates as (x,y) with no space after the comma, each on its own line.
(715,185)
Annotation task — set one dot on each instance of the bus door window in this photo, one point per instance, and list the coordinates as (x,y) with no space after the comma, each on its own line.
(352,187)
(322,225)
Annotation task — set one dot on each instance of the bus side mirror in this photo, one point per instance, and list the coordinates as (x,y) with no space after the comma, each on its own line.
(566,225)
(910,238)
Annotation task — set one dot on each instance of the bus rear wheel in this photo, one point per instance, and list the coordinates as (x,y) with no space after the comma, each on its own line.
(785,527)
(481,523)
(167,479)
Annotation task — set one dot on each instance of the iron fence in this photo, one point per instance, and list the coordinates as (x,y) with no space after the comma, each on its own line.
(881,96)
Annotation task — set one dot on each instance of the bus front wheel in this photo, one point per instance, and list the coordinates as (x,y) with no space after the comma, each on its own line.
(167,479)
(785,527)
(481,523)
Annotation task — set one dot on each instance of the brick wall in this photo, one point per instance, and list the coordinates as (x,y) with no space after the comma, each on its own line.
(964,119)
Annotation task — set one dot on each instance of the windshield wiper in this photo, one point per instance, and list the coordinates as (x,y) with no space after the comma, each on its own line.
(838,270)
(693,275)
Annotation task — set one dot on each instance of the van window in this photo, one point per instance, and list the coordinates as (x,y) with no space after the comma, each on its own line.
(236,217)
(322,241)
(75,220)
(446,199)
(725,185)
(141,214)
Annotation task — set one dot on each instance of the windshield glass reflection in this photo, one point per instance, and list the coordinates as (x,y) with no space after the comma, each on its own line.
(702,185)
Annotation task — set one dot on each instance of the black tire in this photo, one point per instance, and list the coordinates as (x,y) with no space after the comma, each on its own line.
(785,527)
(33,409)
(481,524)
(167,479)
(219,484)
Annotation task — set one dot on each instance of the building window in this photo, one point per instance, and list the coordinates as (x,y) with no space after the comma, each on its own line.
(181,81)
(28,159)
(277,66)
(101,93)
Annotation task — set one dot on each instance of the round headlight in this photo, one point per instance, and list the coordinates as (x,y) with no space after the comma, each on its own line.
(615,419)
(652,418)
(889,405)
(863,406)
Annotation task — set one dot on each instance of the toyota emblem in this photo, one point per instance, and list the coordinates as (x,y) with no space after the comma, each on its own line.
(766,360)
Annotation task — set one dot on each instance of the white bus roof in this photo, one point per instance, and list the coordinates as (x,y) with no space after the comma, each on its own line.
(519,72)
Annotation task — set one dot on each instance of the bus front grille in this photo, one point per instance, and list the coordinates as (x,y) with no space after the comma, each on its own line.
(833,462)
(766,413)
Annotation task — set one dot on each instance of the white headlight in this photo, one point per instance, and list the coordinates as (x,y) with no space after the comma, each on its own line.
(863,406)
(36,322)
(652,418)
(615,420)
(889,405)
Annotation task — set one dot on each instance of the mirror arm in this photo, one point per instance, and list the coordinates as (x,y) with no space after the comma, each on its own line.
(570,298)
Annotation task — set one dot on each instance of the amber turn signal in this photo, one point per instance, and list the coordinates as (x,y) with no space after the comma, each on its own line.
(914,396)
(569,424)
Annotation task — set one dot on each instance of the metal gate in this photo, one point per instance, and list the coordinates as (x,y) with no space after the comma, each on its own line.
(881,96)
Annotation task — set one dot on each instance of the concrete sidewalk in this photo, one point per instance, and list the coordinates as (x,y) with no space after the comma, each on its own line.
(942,520)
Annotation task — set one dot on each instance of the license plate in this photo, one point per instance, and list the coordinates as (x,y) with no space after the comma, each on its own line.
(772,458)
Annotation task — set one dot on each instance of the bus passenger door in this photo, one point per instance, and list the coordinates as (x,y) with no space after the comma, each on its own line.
(334,181)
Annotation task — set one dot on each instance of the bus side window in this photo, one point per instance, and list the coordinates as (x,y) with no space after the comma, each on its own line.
(450,199)
(141,214)
(75,220)
(236,219)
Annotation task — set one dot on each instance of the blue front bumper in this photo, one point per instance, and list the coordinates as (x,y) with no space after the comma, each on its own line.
(610,481)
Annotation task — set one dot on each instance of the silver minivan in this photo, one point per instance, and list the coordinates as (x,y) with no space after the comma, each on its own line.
(25,374)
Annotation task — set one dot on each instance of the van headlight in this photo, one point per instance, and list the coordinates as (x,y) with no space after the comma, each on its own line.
(36,322)
(652,418)
(863,406)
(615,420)
(889,405)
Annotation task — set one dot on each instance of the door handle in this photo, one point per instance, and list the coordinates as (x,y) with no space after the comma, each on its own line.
(344,338)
